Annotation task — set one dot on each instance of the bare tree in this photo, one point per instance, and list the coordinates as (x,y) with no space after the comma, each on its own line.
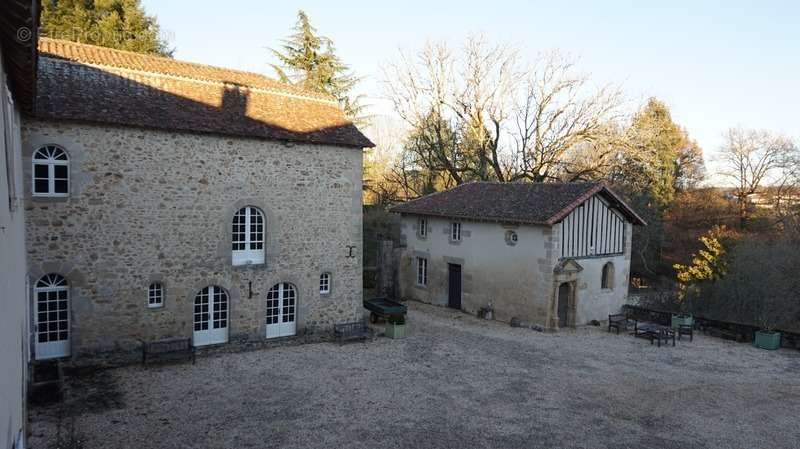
(386,132)
(560,112)
(478,114)
(752,159)
(457,102)
(421,88)
(690,169)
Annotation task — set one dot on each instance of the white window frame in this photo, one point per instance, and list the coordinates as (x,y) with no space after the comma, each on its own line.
(51,163)
(9,118)
(325,283)
(251,254)
(422,271)
(155,295)
(455,231)
(422,227)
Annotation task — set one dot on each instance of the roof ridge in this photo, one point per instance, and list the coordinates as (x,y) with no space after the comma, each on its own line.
(523,182)
(531,203)
(280,86)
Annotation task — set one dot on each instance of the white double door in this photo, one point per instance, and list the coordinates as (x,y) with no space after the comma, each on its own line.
(281,310)
(211,316)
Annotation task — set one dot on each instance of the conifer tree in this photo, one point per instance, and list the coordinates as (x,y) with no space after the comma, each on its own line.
(657,144)
(310,61)
(120,24)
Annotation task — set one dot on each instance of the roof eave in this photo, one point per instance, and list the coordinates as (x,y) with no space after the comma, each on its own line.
(471,218)
(286,140)
(19,51)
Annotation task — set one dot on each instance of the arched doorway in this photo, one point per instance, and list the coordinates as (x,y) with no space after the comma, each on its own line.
(565,305)
(210,316)
(51,314)
(281,307)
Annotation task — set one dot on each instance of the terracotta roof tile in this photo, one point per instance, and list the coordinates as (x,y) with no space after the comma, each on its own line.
(89,83)
(524,203)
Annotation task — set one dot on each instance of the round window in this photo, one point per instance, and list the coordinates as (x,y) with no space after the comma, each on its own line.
(511,237)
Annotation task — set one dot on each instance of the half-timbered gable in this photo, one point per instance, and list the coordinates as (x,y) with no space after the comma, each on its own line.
(594,228)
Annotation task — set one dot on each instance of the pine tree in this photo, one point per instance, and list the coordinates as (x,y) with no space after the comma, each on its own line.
(120,24)
(310,61)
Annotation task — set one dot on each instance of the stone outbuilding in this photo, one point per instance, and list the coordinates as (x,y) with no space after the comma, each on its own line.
(171,199)
(553,254)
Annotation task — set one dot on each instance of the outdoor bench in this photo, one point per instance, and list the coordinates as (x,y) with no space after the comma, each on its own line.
(654,332)
(790,341)
(727,334)
(686,329)
(618,321)
(172,348)
(358,330)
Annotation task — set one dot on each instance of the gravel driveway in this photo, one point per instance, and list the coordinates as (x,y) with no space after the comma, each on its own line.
(455,382)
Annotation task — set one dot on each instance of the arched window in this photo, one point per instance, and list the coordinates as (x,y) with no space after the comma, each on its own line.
(51,303)
(247,242)
(608,276)
(50,171)
(325,283)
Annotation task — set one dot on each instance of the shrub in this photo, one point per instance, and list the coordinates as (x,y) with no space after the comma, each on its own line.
(761,286)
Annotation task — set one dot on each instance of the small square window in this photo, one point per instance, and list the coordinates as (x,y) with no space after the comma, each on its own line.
(325,283)
(155,295)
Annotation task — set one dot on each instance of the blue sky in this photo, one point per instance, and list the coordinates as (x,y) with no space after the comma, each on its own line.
(717,64)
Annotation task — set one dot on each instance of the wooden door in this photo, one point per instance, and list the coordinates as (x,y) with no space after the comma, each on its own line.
(454,286)
(563,305)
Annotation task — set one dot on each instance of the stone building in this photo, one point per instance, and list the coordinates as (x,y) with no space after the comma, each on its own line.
(554,254)
(170,199)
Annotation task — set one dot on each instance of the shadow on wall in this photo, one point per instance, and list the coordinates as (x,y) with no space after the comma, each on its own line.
(72,91)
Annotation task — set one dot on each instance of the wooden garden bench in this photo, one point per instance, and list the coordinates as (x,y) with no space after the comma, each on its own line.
(726,334)
(172,348)
(618,321)
(654,332)
(358,330)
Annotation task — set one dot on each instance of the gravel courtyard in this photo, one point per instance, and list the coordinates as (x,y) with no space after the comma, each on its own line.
(454,382)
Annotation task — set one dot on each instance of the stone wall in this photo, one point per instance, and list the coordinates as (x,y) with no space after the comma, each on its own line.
(510,276)
(151,205)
